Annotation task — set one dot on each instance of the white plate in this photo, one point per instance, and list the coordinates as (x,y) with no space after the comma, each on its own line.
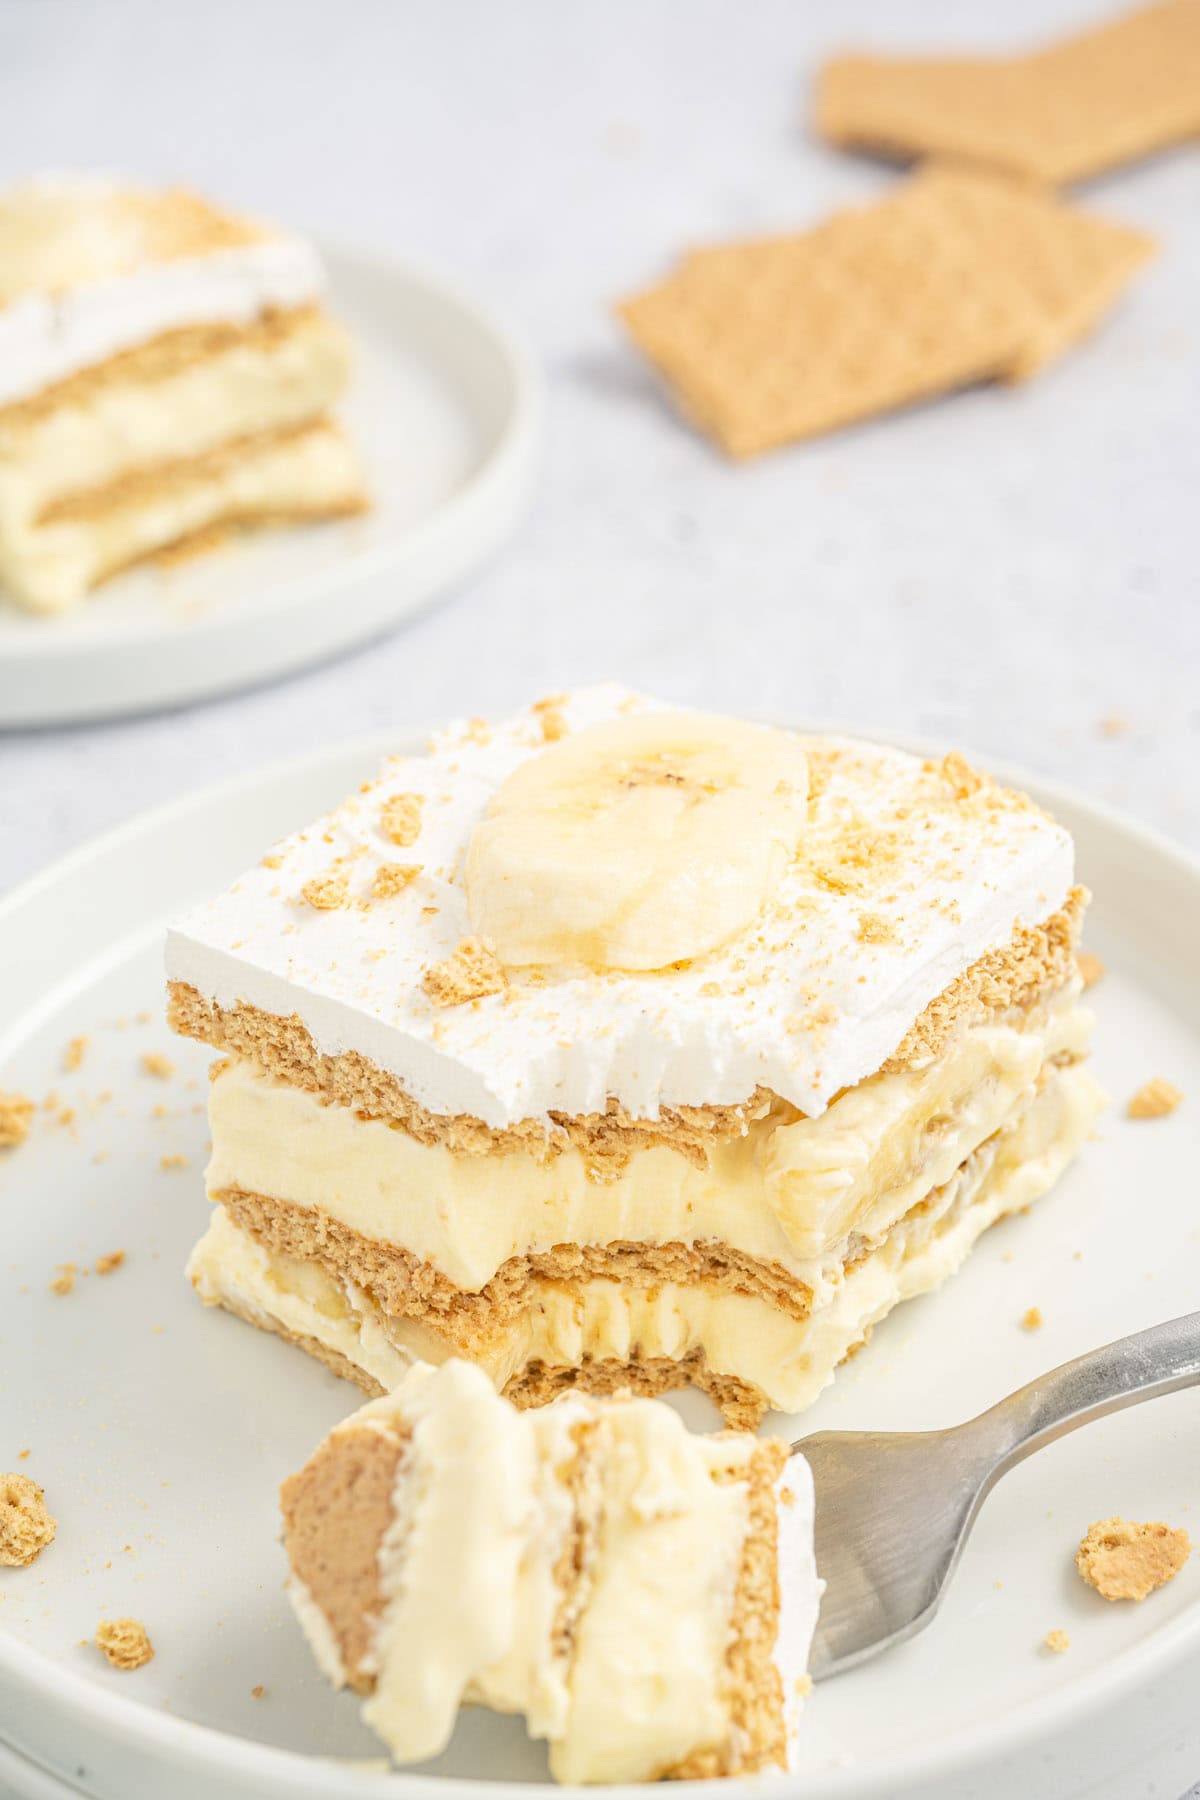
(156,1424)
(445,408)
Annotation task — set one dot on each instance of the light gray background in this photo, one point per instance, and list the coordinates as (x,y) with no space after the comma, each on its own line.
(1003,570)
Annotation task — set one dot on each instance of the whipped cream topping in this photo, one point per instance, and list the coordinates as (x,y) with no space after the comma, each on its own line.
(908,873)
(89,267)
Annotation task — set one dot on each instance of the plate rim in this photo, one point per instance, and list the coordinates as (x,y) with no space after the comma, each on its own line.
(483,511)
(131,1722)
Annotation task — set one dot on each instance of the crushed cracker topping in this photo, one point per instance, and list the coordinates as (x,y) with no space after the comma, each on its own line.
(549,715)
(16,1112)
(26,1524)
(272,860)
(175,1161)
(393,878)
(64,1281)
(1123,1560)
(327,892)
(400,819)
(1090,967)
(156,1064)
(963,779)
(1057,1642)
(1032,1320)
(1154,1101)
(873,928)
(106,1264)
(125,1642)
(472,972)
(74,1053)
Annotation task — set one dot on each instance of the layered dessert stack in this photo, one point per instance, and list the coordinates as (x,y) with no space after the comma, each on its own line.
(619,1046)
(644,1597)
(167,371)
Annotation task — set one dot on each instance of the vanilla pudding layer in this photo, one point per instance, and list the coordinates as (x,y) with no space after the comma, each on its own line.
(749,1351)
(165,403)
(296,474)
(446,1549)
(791,1195)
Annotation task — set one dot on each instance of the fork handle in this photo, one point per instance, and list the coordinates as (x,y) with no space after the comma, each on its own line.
(1141,1367)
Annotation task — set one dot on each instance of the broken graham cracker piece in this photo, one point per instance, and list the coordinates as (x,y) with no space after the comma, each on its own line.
(954,277)
(16,1114)
(471,973)
(400,819)
(26,1524)
(393,878)
(1155,1100)
(125,1642)
(1126,1561)
(1061,114)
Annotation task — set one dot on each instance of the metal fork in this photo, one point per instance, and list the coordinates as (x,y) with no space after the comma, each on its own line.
(894,1509)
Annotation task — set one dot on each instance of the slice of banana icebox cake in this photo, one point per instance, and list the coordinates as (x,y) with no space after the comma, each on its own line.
(617,1046)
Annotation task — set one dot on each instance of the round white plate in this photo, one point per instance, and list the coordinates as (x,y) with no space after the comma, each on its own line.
(445,409)
(161,1430)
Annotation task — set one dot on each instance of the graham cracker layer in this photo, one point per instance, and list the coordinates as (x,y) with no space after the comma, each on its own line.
(403,1286)
(1037,960)
(754,1691)
(163,356)
(334,1361)
(740,1405)
(1120,91)
(139,488)
(336,1511)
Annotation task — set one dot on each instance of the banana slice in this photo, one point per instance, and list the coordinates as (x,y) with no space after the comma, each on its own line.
(638,843)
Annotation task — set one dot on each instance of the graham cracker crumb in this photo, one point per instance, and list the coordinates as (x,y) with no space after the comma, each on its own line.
(75,1052)
(23,1455)
(804,1686)
(393,878)
(272,860)
(472,972)
(1154,1101)
(258,1692)
(1123,1560)
(174,1161)
(64,1281)
(1113,726)
(1057,1641)
(400,819)
(873,928)
(16,1111)
(26,1525)
(1032,1320)
(125,1642)
(1090,967)
(156,1064)
(106,1264)
(787,1497)
(549,715)
(327,892)
(963,779)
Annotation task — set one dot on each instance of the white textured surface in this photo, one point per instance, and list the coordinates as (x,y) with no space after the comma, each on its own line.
(1003,570)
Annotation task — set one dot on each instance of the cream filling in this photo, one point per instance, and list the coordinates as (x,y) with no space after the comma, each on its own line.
(790,1361)
(124,424)
(481,1509)
(785,1193)
(51,567)
(648,1672)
